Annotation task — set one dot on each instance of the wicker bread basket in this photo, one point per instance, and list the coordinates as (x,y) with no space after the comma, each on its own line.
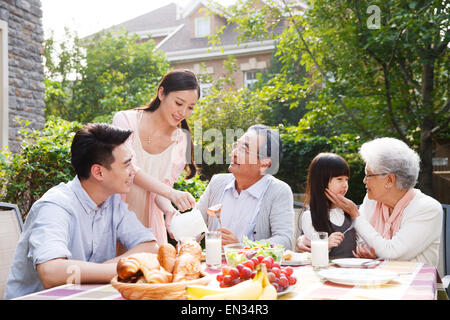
(158,291)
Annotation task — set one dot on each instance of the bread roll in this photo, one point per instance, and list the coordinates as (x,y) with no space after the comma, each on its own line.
(165,267)
(167,255)
(188,263)
(141,279)
(186,268)
(157,275)
(191,247)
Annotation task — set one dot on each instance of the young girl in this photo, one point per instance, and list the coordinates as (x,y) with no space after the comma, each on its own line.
(328,170)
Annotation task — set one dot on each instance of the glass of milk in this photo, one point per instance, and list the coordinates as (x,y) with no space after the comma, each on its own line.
(319,250)
(213,247)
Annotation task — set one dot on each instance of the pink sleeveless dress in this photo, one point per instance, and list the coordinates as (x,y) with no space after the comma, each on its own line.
(167,166)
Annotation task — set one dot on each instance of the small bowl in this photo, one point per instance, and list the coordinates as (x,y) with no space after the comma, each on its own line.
(235,253)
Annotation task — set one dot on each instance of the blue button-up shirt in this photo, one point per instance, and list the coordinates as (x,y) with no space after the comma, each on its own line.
(66,223)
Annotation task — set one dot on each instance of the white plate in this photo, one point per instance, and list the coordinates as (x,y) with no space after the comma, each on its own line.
(350,262)
(288,289)
(297,258)
(295,262)
(368,277)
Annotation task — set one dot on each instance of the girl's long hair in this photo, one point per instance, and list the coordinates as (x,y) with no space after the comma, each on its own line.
(322,168)
(179,80)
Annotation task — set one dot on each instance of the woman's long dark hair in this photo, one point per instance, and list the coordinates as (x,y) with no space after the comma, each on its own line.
(322,168)
(179,80)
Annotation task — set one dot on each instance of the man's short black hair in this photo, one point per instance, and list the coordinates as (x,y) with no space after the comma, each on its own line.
(94,144)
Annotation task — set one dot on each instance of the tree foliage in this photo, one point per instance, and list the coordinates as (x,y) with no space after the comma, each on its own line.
(111,71)
(384,75)
(42,162)
(299,150)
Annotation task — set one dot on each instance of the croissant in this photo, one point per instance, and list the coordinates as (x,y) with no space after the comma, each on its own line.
(129,266)
(126,268)
(157,275)
(167,255)
(162,268)
(188,263)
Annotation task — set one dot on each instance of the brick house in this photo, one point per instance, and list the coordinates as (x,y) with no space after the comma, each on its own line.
(21,68)
(182,35)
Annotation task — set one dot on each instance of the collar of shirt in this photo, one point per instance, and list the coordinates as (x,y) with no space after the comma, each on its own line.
(256,190)
(86,201)
(337,216)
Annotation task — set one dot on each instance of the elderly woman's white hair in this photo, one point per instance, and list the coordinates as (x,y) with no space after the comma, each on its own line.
(390,155)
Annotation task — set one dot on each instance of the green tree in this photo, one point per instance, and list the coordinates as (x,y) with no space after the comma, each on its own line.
(299,150)
(63,64)
(42,162)
(108,72)
(376,68)
(287,110)
(220,118)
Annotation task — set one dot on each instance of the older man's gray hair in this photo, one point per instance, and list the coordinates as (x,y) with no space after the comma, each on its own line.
(270,146)
(390,155)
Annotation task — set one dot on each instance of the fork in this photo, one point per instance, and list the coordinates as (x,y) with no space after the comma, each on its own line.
(349,228)
(372,263)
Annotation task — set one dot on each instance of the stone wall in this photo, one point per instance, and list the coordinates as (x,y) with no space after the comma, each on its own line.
(25,64)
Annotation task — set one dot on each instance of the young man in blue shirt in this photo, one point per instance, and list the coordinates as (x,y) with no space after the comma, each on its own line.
(70,234)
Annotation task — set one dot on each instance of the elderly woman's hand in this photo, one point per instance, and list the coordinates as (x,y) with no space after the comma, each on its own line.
(363,251)
(342,202)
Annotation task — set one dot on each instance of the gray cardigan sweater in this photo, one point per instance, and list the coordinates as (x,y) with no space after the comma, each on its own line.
(275,219)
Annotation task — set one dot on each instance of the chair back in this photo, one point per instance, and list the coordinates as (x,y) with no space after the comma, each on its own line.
(298,208)
(10,229)
(445,240)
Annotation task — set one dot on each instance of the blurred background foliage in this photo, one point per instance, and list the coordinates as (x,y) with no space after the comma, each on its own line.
(331,85)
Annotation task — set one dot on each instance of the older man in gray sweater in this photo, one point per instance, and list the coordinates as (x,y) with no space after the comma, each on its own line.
(254,203)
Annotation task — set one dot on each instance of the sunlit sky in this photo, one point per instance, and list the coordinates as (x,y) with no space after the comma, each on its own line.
(89,16)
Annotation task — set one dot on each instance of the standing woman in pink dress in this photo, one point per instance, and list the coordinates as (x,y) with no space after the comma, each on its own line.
(162,147)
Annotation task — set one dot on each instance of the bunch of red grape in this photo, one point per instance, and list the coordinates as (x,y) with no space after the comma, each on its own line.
(279,277)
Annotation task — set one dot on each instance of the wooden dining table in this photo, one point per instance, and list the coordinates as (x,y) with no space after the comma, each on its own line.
(415,281)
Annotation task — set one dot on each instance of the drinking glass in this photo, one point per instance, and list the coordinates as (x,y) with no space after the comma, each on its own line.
(213,246)
(319,250)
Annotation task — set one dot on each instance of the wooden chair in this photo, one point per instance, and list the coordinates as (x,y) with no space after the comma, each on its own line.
(298,208)
(10,229)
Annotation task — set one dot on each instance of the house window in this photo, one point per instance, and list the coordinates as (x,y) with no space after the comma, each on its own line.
(250,79)
(202,27)
(4,122)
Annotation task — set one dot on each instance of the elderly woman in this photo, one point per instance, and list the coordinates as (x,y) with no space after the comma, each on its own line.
(395,220)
